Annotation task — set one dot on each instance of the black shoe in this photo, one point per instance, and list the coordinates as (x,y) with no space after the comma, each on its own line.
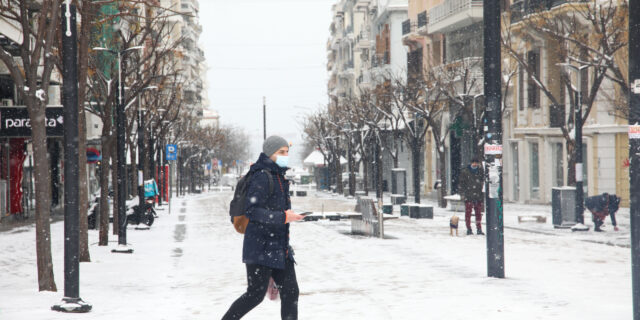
(597,229)
(469,232)
(480,233)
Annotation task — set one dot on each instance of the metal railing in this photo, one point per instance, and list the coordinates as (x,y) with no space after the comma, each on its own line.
(522,8)
(379,60)
(362,36)
(451,7)
(406,27)
(347,65)
(422,19)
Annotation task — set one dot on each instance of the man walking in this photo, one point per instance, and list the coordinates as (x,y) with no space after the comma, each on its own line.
(266,251)
(471,182)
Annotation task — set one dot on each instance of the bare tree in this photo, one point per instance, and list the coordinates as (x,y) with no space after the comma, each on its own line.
(154,67)
(38,23)
(590,36)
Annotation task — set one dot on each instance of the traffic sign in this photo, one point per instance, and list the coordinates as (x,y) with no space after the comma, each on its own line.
(172,152)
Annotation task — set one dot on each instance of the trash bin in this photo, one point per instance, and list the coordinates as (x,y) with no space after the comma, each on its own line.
(563,206)
(404,210)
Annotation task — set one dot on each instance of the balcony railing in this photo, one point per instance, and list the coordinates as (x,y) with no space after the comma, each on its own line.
(451,7)
(348,65)
(348,30)
(422,19)
(363,36)
(521,8)
(379,60)
(406,27)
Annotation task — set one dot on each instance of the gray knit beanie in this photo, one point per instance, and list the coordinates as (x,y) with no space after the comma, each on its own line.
(272,144)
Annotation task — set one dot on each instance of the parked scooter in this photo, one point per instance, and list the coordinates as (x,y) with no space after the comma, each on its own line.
(145,214)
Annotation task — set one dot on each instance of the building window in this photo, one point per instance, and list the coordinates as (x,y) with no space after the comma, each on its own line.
(533,91)
(558,164)
(516,171)
(520,88)
(534,170)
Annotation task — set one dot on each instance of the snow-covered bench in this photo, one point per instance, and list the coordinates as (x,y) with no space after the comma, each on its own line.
(367,223)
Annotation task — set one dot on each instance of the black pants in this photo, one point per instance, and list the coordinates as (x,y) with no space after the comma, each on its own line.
(258,281)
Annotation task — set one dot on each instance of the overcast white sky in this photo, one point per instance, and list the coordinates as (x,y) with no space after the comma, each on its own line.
(272,48)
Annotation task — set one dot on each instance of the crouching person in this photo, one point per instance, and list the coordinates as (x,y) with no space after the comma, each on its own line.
(602,206)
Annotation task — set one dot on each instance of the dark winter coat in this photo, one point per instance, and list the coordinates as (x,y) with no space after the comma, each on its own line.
(471,183)
(603,205)
(266,240)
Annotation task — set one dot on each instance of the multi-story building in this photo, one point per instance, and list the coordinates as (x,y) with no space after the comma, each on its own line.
(365,52)
(189,56)
(444,41)
(534,146)
(444,35)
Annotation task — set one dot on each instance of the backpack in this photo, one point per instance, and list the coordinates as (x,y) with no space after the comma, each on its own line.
(237,207)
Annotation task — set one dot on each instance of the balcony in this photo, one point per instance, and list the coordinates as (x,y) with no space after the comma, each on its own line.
(454,69)
(364,80)
(362,40)
(410,36)
(406,27)
(423,20)
(348,32)
(347,69)
(520,9)
(379,60)
(452,15)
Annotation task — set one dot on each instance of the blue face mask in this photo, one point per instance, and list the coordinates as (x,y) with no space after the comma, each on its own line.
(282,161)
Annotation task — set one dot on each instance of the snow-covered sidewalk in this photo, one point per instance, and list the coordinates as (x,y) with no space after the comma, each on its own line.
(188,266)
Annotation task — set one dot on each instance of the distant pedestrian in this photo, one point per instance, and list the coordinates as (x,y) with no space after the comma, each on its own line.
(471,182)
(602,206)
(266,251)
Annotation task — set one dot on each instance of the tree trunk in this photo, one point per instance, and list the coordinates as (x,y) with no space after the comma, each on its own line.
(134,169)
(339,186)
(104,192)
(46,281)
(571,157)
(352,176)
(379,172)
(415,165)
(105,170)
(442,167)
(114,182)
(83,192)
(365,174)
(88,16)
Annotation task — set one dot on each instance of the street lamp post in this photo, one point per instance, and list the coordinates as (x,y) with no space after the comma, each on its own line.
(493,139)
(120,143)
(634,151)
(71,301)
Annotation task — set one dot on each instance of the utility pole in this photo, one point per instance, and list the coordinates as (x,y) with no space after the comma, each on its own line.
(71,301)
(264,117)
(578,131)
(493,139)
(634,150)
(140,159)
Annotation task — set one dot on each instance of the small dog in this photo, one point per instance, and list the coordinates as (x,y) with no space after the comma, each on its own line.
(453,224)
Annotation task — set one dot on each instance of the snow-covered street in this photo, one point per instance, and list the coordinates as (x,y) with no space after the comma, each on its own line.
(188,266)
